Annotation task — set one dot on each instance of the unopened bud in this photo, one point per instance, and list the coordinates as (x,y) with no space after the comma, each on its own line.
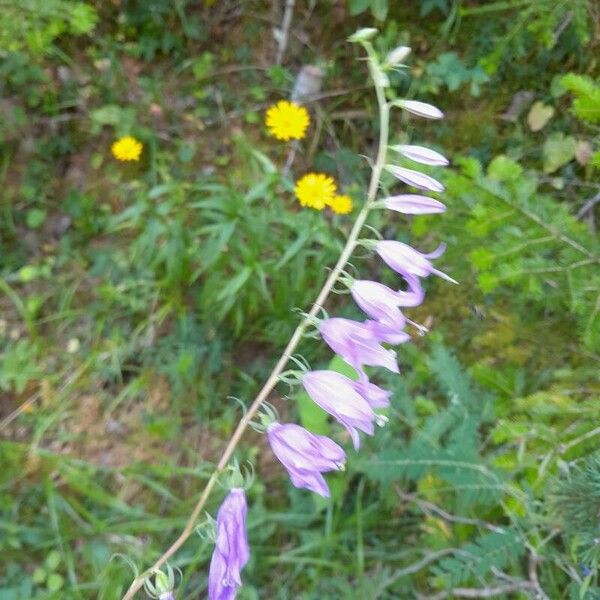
(363,35)
(397,55)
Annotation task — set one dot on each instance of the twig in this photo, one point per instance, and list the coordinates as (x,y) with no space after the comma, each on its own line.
(273,378)
(426,507)
(487,592)
(534,559)
(588,206)
(561,28)
(564,447)
(429,558)
(284,32)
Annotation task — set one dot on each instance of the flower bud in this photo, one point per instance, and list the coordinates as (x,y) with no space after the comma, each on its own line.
(363,35)
(397,55)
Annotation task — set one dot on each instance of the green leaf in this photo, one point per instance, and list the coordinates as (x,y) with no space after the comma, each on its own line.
(55,582)
(39,575)
(503,168)
(539,115)
(358,6)
(235,284)
(558,150)
(587,96)
(379,9)
(35,217)
(53,560)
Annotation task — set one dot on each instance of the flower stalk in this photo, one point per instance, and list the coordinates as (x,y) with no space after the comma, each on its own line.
(263,394)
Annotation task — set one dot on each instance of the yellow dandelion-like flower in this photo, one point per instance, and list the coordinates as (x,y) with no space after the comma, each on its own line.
(315,190)
(287,121)
(127,148)
(342,204)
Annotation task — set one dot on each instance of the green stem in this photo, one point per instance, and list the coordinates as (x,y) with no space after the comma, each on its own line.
(384,111)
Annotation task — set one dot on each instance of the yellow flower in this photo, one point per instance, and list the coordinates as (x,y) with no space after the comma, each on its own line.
(341,204)
(315,190)
(287,121)
(127,148)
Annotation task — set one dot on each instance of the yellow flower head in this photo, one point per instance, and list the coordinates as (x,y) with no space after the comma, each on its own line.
(342,205)
(315,190)
(287,121)
(127,148)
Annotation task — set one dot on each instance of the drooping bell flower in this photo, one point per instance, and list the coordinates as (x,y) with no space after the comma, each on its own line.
(379,302)
(231,551)
(414,204)
(407,261)
(356,344)
(336,394)
(416,178)
(305,455)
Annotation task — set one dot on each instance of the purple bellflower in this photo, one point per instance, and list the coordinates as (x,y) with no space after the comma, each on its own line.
(356,344)
(231,548)
(336,394)
(379,302)
(305,455)
(405,260)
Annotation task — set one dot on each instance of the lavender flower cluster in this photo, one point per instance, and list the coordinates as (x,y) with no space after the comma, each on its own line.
(352,402)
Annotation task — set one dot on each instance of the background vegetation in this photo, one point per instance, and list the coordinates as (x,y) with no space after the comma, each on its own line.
(139,301)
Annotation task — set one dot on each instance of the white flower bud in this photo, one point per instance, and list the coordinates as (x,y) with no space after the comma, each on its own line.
(363,35)
(397,55)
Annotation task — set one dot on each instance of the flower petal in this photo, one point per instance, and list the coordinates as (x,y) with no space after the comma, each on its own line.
(421,109)
(414,204)
(422,155)
(416,179)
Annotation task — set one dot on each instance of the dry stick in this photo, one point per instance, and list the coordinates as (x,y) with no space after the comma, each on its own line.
(285,30)
(487,592)
(384,108)
(426,507)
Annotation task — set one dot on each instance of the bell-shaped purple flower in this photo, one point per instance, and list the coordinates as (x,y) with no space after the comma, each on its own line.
(231,551)
(305,455)
(336,394)
(414,204)
(407,261)
(379,302)
(356,344)
(416,179)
